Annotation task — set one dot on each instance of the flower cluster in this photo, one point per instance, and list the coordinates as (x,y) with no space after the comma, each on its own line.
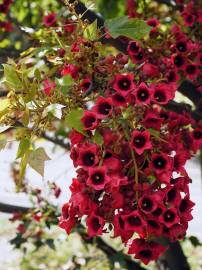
(130,156)
(178,54)
(135,181)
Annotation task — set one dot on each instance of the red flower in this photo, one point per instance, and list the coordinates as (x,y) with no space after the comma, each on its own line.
(131,8)
(88,155)
(191,70)
(172,76)
(172,195)
(48,87)
(75,137)
(70,26)
(86,84)
(124,83)
(177,232)
(170,217)
(189,19)
(185,208)
(4,7)
(119,100)
(152,120)
(146,251)
(138,57)
(163,93)
(109,137)
(21,228)
(103,107)
(153,22)
(70,69)
(67,220)
(89,120)
(140,141)
(162,166)
(181,45)
(133,48)
(178,61)
(50,19)
(143,94)
(95,225)
(154,227)
(119,228)
(112,163)
(134,222)
(7,26)
(149,70)
(98,177)
(148,203)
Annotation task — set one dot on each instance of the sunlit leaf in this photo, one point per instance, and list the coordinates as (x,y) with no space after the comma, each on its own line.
(91,31)
(73,120)
(97,138)
(23,147)
(36,160)
(11,76)
(4,106)
(3,143)
(131,28)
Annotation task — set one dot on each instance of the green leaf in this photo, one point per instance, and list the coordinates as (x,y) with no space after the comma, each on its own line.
(131,28)
(36,160)
(50,243)
(154,132)
(97,138)
(194,241)
(3,143)
(12,77)
(64,83)
(23,166)
(4,106)
(73,120)
(90,32)
(37,74)
(23,147)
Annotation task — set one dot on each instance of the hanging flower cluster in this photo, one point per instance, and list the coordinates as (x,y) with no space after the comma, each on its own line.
(135,181)
(130,157)
(131,179)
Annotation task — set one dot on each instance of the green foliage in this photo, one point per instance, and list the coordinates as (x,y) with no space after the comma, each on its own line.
(111,8)
(73,120)
(98,139)
(4,104)
(131,28)
(3,143)
(12,77)
(90,31)
(64,83)
(36,160)
(194,241)
(23,147)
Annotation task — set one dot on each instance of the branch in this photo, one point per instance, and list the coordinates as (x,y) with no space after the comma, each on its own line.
(184,107)
(188,89)
(173,258)
(8,208)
